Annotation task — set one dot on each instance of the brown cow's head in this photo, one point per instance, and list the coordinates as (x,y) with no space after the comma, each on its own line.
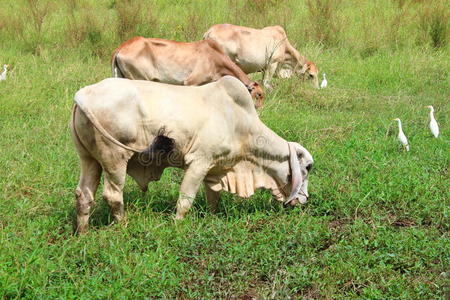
(257,93)
(309,71)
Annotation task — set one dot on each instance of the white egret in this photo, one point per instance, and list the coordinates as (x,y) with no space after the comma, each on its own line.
(401,136)
(3,75)
(324,82)
(434,127)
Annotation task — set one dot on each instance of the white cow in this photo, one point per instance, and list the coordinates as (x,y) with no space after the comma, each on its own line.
(213,132)
(263,50)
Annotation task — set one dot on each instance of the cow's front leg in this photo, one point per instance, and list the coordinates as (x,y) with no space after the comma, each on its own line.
(113,191)
(192,179)
(270,71)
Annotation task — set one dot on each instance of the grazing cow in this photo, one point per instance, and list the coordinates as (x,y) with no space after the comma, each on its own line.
(264,50)
(178,63)
(213,132)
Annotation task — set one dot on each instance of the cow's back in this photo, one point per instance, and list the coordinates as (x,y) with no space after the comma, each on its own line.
(134,111)
(158,60)
(249,48)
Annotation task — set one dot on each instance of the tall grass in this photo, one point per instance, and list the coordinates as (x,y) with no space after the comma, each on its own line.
(434,22)
(323,20)
(27,24)
(129,17)
(361,26)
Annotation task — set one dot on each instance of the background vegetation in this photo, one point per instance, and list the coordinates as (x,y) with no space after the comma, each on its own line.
(376,226)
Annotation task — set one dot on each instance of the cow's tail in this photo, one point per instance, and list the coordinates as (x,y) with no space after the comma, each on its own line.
(116,72)
(207,35)
(79,100)
(74,130)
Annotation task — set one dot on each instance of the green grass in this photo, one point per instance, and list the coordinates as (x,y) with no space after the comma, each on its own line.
(376,226)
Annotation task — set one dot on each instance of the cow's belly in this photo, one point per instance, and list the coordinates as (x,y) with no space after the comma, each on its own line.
(170,76)
(163,70)
(255,61)
(249,66)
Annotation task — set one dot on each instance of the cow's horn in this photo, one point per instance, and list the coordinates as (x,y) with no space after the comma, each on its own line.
(296,175)
(304,69)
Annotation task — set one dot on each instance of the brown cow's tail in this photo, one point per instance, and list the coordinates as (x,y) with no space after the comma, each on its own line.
(207,35)
(116,72)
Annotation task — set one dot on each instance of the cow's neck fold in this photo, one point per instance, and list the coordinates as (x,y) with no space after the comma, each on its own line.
(265,165)
(271,152)
(267,143)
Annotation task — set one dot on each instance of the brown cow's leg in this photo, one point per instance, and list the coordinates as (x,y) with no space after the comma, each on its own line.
(113,190)
(85,192)
(212,197)
(192,179)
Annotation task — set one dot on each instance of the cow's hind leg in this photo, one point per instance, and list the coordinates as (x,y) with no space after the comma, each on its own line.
(85,192)
(268,74)
(113,190)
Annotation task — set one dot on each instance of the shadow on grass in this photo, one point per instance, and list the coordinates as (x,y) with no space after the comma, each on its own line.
(161,198)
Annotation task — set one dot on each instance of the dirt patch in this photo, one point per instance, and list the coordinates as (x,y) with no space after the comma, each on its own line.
(309,293)
(400,221)
(248,296)
(336,224)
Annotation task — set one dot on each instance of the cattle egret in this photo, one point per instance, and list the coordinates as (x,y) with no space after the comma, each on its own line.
(434,127)
(401,136)
(324,82)
(3,75)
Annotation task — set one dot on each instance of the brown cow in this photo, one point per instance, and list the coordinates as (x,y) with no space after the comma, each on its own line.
(179,63)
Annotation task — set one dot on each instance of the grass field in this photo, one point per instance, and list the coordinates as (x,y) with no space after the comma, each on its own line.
(376,225)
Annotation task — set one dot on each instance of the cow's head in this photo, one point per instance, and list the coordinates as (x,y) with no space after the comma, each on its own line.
(300,164)
(309,71)
(257,93)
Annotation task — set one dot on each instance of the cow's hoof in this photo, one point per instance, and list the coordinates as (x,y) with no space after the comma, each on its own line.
(294,202)
(80,230)
(178,217)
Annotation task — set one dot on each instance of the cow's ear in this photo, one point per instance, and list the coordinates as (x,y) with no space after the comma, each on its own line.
(304,68)
(251,86)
